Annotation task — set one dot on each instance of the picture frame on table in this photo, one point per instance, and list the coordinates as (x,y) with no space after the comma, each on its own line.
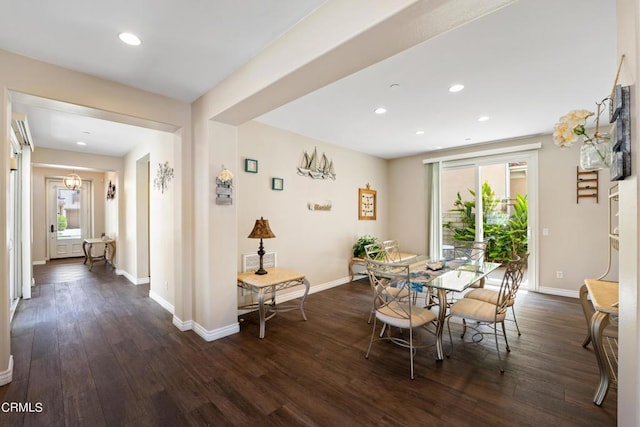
(250,165)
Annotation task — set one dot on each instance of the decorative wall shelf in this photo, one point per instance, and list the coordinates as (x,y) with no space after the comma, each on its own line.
(586,184)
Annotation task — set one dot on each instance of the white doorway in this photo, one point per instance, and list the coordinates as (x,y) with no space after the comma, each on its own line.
(68,218)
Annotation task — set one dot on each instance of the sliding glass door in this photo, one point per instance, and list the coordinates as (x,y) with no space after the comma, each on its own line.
(488,199)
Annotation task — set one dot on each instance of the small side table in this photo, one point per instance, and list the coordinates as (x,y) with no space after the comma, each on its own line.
(107,256)
(276,279)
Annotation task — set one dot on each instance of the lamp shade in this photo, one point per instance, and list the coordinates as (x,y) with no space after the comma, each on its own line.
(261,230)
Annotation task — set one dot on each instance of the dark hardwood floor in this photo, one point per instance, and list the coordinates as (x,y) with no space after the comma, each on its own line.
(95,350)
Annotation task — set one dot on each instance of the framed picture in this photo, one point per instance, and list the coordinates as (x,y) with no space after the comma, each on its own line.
(277,184)
(250,165)
(366,203)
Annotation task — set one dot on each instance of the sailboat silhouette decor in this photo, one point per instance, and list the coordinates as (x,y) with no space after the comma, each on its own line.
(316,168)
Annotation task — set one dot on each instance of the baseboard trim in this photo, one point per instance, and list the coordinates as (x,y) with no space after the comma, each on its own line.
(134,280)
(39,262)
(211,335)
(163,302)
(182,325)
(216,334)
(7,376)
(298,293)
(559,292)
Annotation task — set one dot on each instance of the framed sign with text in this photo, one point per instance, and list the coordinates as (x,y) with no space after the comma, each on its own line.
(367,203)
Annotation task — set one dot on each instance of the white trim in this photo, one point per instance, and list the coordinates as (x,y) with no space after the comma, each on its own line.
(484,153)
(235,328)
(216,334)
(298,293)
(182,325)
(7,376)
(163,302)
(39,262)
(559,292)
(134,280)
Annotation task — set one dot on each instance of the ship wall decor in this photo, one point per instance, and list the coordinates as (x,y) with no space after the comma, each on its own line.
(316,168)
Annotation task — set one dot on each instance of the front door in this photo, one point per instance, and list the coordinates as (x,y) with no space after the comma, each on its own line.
(68,218)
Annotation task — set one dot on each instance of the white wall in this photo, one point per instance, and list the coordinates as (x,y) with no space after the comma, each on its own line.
(163,227)
(578,235)
(111,219)
(628,23)
(317,243)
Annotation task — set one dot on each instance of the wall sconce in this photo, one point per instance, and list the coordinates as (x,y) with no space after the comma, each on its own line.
(261,231)
(163,176)
(72,181)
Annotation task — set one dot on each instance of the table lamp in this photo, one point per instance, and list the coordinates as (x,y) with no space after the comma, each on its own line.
(261,231)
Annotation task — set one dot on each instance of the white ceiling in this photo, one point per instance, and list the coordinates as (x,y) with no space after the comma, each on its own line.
(523,66)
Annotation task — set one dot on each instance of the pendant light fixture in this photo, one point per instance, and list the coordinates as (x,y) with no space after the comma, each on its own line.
(72,181)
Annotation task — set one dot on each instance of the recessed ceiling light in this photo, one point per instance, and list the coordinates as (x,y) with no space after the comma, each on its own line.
(483,118)
(456,87)
(81,143)
(394,85)
(467,139)
(380,110)
(419,132)
(130,39)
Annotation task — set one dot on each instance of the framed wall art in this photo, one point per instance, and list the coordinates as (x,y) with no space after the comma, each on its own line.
(277,184)
(251,165)
(367,199)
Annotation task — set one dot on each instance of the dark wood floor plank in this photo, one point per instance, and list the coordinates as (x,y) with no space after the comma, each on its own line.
(96,350)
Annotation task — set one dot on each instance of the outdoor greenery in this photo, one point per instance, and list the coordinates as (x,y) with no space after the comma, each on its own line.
(358,247)
(62,222)
(504,235)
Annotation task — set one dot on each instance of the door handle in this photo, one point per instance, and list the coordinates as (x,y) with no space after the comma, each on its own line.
(52,228)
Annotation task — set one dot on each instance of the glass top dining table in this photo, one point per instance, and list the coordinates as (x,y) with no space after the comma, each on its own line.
(453,275)
(448,275)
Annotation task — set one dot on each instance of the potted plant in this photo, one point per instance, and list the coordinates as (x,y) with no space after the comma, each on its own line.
(358,247)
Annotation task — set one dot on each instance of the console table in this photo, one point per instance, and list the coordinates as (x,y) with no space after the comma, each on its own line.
(604,297)
(275,280)
(108,255)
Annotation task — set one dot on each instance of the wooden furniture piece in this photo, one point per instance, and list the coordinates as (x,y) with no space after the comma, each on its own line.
(604,297)
(108,255)
(586,184)
(275,280)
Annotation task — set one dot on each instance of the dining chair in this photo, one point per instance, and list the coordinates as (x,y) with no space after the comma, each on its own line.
(491,295)
(481,313)
(377,251)
(470,251)
(392,248)
(395,307)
